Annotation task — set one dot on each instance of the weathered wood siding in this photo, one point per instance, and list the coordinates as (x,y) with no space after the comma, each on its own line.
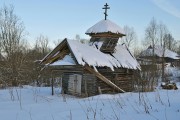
(89,83)
(123,78)
(89,87)
(109,43)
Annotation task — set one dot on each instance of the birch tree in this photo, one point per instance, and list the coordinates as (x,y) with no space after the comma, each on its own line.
(163,31)
(151,33)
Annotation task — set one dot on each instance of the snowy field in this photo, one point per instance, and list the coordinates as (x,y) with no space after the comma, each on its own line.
(36,103)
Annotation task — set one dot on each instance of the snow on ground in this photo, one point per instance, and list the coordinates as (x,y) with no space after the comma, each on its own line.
(36,103)
(172,71)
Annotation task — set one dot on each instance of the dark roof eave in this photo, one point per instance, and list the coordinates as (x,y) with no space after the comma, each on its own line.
(120,34)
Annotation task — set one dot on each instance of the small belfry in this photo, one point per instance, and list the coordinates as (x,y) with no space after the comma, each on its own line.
(105,34)
(106,7)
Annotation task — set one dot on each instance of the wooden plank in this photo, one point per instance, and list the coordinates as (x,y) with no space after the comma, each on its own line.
(101,77)
(59,56)
(58,48)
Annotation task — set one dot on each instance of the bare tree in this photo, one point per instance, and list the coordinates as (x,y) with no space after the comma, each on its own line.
(12,42)
(178,48)
(168,43)
(41,48)
(151,33)
(57,42)
(137,51)
(171,43)
(163,31)
(158,34)
(42,44)
(151,37)
(11,30)
(130,37)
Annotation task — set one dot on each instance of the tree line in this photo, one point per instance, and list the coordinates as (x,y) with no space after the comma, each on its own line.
(19,61)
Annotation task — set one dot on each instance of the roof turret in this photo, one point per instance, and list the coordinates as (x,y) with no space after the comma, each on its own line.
(105,26)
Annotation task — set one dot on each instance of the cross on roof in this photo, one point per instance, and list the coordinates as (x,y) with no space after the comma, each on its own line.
(106,7)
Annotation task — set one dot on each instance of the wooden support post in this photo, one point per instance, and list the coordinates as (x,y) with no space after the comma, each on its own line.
(101,77)
(99,90)
(85,87)
(52,85)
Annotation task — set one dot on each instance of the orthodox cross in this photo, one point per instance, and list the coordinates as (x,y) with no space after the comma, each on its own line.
(106,7)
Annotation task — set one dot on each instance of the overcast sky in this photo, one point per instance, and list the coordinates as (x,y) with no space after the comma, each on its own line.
(60,19)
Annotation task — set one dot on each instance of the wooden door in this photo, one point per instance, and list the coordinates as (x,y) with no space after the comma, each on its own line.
(74,84)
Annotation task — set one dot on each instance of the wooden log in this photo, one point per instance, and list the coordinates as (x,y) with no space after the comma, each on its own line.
(60,55)
(101,77)
(99,90)
(58,48)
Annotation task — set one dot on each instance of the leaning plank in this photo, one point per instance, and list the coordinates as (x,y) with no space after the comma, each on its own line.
(52,53)
(101,77)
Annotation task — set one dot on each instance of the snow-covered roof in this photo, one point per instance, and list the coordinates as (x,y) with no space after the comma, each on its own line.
(123,55)
(158,50)
(104,26)
(90,55)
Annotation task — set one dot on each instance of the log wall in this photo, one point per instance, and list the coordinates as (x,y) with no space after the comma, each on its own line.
(123,78)
(89,87)
(90,84)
